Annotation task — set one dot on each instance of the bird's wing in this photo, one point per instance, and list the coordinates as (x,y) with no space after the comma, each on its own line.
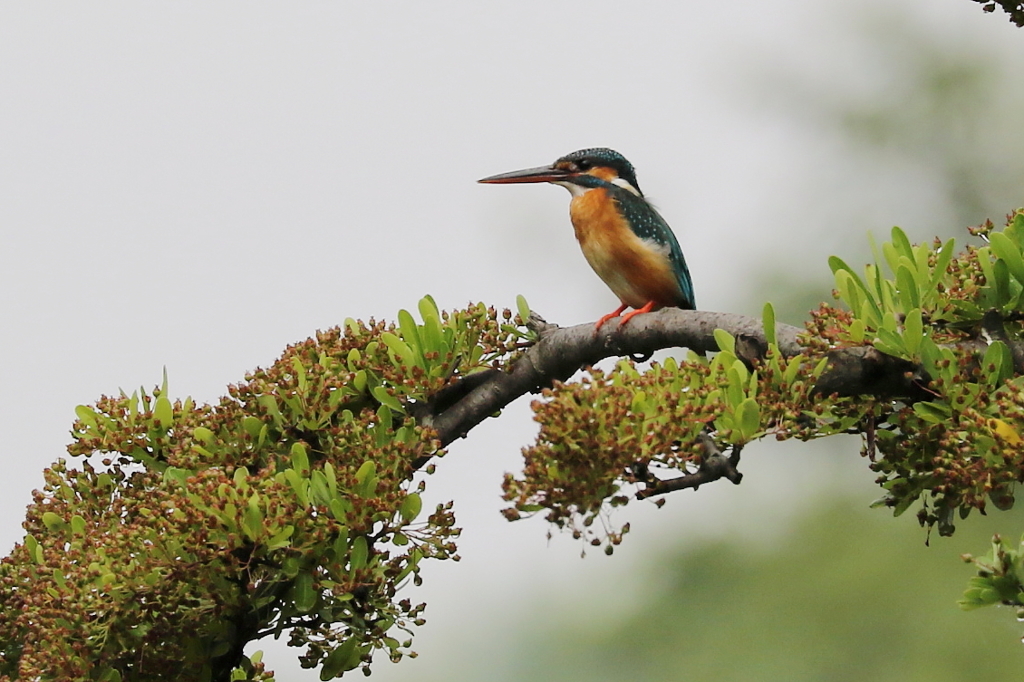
(647,223)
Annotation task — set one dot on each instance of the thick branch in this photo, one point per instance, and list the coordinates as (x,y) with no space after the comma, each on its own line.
(560,352)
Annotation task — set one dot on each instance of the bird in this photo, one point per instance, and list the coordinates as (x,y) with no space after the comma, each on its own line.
(625,240)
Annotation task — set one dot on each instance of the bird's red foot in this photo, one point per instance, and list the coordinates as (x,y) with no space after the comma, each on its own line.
(648,307)
(614,313)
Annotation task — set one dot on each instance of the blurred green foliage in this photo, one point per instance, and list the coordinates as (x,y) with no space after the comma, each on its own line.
(926,126)
(844,595)
(948,435)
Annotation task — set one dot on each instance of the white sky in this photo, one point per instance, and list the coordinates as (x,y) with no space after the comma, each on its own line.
(195,185)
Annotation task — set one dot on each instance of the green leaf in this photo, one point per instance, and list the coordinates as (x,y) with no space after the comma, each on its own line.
(1000,283)
(252,519)
(923,273)
(300,460)
(411,507)
(318,487)
(892,257)
(86,415)
(432,335)
(341,543)
(930,356)
(290,567)
(366,480)
(163,411)
(299,370)
(849,292)
(428,308)
(913,332)
(59,578)
(385,398)
(748,419)
(906,283)
(1016,229)
(768,319)
(240,478)
(35,552)
(53,522)
(1004,248)
(523,308)
(202,434)
(383,423)
(332,479)
(933,412)
(359,553)
(269,403)
(945,255)
(997,355)
(890,343)
(359,381)
(857,331)
(366,470)
(342,659)
(252,425)
(725,341)
(887,297)
(903,505)
(792,369)
(303,595)
(837,264)
(176,476)
(411,334)
(280,539)
(901,243)
(337,508)
(299,485)
(402,351)
(737,380)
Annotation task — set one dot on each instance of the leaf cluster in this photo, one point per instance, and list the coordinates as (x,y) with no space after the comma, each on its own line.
(636,427)
(1000,578)
(179,532)
(952,444)
(957,319)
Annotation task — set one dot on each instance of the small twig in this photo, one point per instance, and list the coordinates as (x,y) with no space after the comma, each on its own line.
(869,438)
(714,465)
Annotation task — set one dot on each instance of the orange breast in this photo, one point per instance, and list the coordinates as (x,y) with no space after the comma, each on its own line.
(637,271)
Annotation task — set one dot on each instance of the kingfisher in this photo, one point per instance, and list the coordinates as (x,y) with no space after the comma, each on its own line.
(627,243)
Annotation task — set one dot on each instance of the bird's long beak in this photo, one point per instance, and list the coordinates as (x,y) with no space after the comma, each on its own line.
(540,174)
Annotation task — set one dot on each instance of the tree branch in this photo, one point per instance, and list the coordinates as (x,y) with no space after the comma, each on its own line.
(562,351)
(714,466)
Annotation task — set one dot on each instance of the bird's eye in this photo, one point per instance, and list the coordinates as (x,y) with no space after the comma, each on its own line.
(583,165)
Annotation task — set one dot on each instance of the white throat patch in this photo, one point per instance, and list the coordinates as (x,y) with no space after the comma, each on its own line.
(574,189)
(624,184)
